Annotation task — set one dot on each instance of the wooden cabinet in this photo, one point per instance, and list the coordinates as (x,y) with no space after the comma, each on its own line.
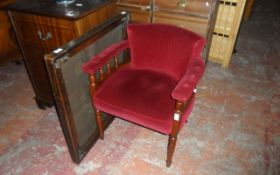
(39,35)
(8,45)
(40,30)
(195,15)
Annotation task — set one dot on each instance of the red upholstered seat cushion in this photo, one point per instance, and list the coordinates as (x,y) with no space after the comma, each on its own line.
(141,96)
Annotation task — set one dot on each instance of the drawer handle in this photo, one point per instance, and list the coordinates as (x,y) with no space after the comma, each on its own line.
(44,38)
(127,5)
(183,3)
(144,8)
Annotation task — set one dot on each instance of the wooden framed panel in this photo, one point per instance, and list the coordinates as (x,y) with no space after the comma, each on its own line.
(71,86)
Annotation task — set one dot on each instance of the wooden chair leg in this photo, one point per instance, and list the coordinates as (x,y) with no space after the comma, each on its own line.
(170,149)
(100,124)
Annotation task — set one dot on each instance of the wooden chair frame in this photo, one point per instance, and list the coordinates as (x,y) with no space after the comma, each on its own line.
(96,81)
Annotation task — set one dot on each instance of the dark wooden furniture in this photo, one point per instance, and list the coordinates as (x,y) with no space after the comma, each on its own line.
(196,15)
(8,45)
(70,84)
(42,26)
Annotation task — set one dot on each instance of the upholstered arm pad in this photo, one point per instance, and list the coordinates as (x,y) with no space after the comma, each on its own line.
(186,85)
(102,58)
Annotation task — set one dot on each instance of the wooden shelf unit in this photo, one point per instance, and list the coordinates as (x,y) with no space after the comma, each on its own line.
(226,30)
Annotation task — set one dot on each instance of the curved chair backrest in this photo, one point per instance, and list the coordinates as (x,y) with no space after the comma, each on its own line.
(163,47)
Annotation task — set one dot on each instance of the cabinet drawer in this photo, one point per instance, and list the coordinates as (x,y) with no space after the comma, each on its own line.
(43,31)
(137,15)
(140,11)
(193,7)
(195,24)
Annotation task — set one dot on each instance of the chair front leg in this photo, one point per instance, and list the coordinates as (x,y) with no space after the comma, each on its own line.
(170,149)
(179,110)
(173,135)
(99,123)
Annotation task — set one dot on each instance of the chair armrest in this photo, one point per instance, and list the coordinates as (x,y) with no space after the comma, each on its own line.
(95,63)
(184,89)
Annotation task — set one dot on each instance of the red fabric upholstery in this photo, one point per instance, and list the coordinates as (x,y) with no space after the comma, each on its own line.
(165,66)
(139,95)
(189,81)
(163,48)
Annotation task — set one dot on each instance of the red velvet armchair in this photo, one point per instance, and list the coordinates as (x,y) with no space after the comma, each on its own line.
(156,88)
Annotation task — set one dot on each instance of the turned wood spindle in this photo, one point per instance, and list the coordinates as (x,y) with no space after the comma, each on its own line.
(174,132)
(92,85)
(116,62)
(178,107)
(101,72)
(108,68)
